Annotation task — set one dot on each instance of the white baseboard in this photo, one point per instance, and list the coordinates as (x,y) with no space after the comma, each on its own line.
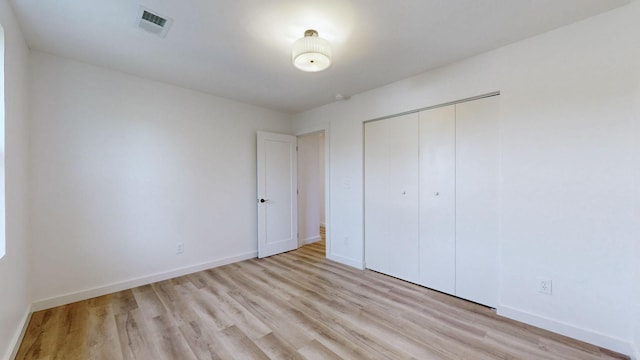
(19,335)
(128,284)
(311,240)
(346,261)
(589,336)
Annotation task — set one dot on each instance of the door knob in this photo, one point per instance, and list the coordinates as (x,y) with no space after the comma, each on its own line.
(263,200)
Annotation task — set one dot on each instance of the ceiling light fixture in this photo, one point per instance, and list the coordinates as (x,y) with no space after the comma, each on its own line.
(311,53)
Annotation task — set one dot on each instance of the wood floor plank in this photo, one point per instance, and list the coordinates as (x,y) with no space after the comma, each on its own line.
(252,325)
(101,330)
(168,339)
(148,302)
(240,345)
(277,348)
(70,331)
(204,342)
(278,321)
(134,338)
(296,305)
(323,333)
(316,351)
(32,343)
(399,326)
(210,310)
(122,302)
(351,335)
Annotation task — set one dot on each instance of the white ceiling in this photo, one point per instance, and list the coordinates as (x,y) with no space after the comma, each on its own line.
(240,49)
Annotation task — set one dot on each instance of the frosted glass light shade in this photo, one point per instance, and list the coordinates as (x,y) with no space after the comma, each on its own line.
(311,53)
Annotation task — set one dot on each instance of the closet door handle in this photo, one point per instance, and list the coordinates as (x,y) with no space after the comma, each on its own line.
(264,200)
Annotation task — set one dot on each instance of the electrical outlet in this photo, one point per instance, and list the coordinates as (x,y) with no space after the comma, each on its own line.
(544,286)
(180,248)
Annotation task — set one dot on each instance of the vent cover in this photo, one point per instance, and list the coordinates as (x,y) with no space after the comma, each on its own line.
(150,21)
(153,18)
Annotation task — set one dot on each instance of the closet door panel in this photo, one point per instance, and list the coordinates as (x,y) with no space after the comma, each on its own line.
(391,196)
(477,186)
(437,199)
(376,189)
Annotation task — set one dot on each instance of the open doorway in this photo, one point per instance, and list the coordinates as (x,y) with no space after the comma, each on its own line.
(311,189)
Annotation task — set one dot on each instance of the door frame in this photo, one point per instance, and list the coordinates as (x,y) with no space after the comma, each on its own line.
(327,177)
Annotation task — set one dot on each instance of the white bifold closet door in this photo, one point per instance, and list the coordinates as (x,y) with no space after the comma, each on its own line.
(431,198)
(438,199)
(391,196)
(477,200)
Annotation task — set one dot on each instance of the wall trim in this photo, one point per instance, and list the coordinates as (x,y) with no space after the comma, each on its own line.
(586,335)
(346,261)
(132,283)
(311,239)
(19,335)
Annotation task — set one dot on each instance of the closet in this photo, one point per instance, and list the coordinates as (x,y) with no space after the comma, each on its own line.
(431,198)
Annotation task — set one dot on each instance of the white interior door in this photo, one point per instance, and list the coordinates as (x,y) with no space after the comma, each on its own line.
(277,188)
(437,199)
(477,191)
(391,196)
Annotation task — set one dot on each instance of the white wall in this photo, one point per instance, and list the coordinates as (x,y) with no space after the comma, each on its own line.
(310,186)
(636,197)
(125,168)
(569,109)
(636,316)
(14,279)
(321,184)
(2,136)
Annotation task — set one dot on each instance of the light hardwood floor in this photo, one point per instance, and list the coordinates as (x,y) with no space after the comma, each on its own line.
(295,305)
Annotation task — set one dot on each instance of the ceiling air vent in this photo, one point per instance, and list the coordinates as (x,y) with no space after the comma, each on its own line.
(153,23)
